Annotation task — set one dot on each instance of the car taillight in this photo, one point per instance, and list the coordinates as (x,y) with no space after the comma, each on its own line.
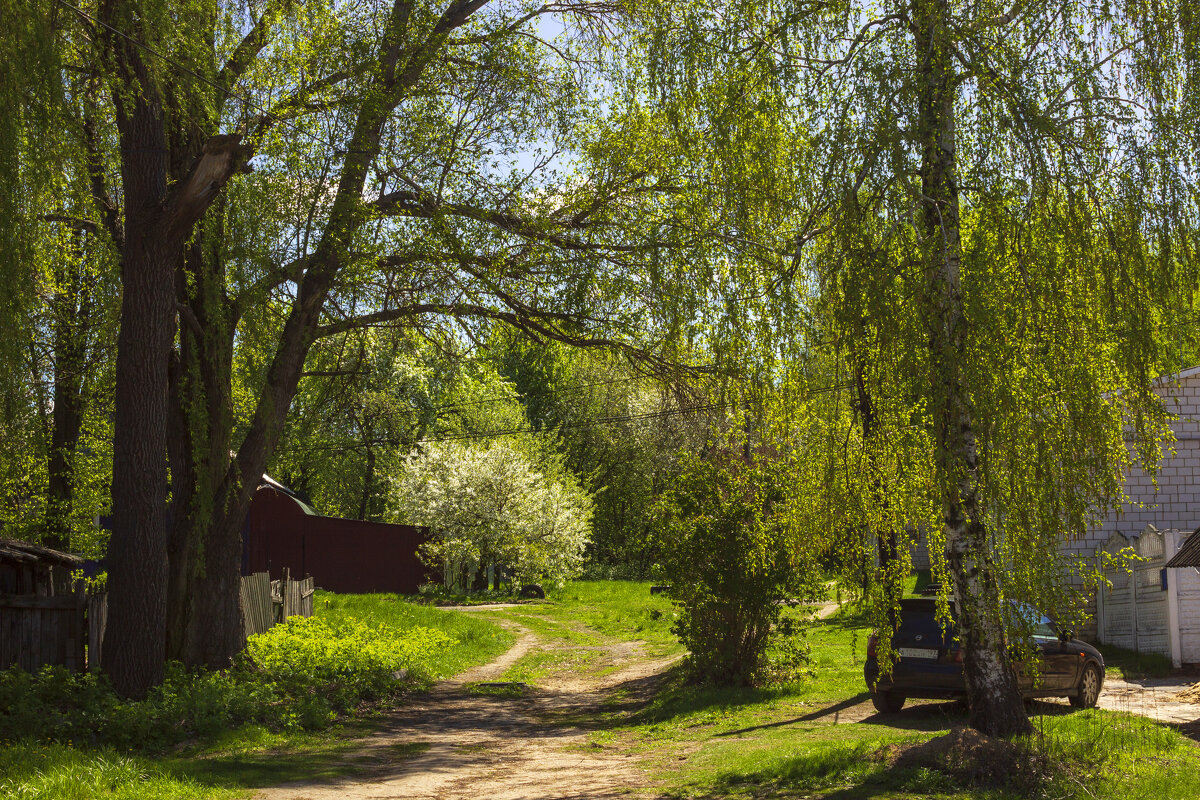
(958,656)
(872,641)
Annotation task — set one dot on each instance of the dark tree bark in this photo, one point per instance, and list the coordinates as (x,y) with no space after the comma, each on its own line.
(996,705)
(159,218)
(201,433)
(137,552)
(71,312)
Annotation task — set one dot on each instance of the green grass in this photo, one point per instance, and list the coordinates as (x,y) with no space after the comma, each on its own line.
(1131,665)
(622,610)
(229,763)
(31,771)
(477,640)
(793,741)
(787,741)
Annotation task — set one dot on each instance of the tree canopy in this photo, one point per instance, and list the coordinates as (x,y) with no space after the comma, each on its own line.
(941,247)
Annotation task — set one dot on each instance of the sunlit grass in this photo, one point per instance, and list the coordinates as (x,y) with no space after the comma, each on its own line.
(230,762)
(477,640)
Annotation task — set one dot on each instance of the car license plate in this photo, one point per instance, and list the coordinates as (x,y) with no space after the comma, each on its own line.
(916,652)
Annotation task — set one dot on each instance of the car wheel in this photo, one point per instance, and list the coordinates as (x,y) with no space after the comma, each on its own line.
(887,702)
(1089,688)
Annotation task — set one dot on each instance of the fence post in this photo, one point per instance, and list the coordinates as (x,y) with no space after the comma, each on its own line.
(97,613)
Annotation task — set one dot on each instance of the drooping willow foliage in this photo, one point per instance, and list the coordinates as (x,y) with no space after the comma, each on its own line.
(797,125)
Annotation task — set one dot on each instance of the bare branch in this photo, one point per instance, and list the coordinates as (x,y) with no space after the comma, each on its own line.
(248,49)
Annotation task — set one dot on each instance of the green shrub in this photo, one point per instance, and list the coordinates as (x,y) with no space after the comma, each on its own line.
(324,668)
(731,552)
(299,674)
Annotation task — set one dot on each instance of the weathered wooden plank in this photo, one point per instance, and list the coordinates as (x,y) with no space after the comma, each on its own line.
(257,608)
(38,601)
(97,625)
(307,590)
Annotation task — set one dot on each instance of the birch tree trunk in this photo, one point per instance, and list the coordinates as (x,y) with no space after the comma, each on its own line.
(996,705)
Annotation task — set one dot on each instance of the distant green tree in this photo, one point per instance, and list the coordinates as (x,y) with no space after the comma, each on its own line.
(369,398)
(620,431)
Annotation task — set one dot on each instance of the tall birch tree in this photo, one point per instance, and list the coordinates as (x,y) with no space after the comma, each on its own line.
(988,213)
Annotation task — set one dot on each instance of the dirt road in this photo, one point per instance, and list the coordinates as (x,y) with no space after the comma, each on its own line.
(460,742)
(455,743)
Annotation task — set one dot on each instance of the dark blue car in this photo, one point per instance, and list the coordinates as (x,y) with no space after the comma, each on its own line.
(930,662)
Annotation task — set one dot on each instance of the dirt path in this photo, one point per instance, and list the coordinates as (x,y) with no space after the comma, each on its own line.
(1153,698)
(455,744)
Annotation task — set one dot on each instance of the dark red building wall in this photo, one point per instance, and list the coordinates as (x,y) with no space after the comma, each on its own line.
(342,555)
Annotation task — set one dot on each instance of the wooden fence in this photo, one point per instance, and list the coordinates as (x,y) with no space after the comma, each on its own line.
(265,602)
(37,630)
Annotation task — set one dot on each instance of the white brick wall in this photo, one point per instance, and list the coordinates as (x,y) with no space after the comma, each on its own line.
(1176,502)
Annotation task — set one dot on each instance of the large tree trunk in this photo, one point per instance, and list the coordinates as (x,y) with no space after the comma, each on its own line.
(134,654)
(204,625)
(996,706)
(160,216)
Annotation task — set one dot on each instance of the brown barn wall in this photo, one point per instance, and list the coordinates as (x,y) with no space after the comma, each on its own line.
(342,555)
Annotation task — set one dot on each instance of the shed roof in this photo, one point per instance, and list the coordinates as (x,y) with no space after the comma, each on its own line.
(267,480)
(19,552)
(1189,553)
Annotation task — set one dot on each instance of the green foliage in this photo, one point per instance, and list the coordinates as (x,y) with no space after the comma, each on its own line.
(325,668)
(476,640)
(619,430)
(732,548)
(301,674)
(58,772)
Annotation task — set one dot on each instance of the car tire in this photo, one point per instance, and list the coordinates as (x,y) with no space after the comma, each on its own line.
(1088,690)
(887,702)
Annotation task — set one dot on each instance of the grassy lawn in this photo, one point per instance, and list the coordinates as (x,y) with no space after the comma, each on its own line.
(795,740)
(586,614)
(232,762)
(811,738)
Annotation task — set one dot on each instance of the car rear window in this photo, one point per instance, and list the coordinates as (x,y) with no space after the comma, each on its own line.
(919,618)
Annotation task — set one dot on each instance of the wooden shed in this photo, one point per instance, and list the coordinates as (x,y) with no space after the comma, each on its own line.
(41,609)
(342,555)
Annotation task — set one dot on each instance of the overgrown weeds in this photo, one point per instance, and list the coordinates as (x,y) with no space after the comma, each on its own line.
(300,675)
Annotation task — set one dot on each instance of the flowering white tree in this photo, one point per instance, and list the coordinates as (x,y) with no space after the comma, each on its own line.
(491,505)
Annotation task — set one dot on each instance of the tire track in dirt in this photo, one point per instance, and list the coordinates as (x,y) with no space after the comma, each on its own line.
(495,747)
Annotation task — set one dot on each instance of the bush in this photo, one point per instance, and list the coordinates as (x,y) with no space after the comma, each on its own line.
(322,668)
(299,674)
(731,551)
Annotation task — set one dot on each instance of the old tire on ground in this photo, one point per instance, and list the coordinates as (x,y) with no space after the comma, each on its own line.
(1089,687)
(532,591)
(887,702)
